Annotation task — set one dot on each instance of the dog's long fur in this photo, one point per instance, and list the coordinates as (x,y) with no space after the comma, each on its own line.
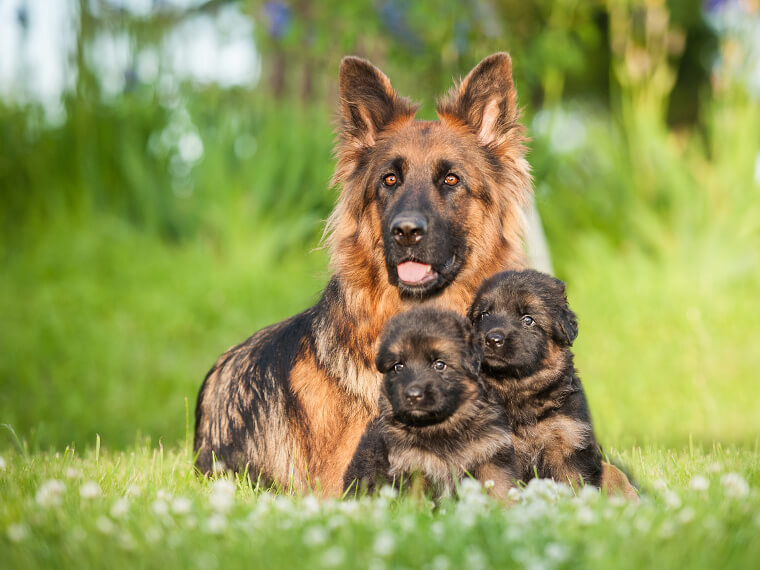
(526,329)
(450,427)
(292,401)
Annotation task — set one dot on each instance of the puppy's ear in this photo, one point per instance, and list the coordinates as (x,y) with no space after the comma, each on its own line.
(566,323)
(485,100)
(475,351)
(368,103)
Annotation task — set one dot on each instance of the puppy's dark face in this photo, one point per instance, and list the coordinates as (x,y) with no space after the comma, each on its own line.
(430,366)
(516,316)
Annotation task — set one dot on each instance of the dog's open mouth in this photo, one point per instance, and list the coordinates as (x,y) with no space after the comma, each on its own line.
(414,273)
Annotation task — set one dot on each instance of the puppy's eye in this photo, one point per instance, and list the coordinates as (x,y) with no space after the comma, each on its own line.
(439,365)
(528,321)
(483,315)
(451,180)
(390,180)
(398,367)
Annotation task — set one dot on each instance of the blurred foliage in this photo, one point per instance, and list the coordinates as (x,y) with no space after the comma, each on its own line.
(142,232)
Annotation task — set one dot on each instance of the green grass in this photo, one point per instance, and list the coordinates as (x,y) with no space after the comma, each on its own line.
(144,507)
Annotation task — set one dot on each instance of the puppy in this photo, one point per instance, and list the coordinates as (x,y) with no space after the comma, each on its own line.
(437,417)
(525,328)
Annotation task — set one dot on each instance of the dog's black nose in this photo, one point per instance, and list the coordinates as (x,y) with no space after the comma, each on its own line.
(408,229)
(414,394)
(494,339)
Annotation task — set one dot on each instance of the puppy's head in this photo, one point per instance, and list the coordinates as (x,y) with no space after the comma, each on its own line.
(516,315)
(430,365)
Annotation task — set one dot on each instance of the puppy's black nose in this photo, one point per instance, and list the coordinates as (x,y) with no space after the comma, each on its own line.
(408,229)
(414,394)
(494,339)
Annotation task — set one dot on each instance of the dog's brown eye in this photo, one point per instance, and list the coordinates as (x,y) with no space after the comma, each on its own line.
(390,180)
(439,365)
(483,315)
(398,367)
(528,321)
(451,179)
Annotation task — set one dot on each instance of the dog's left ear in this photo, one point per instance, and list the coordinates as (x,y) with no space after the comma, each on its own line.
(476,351)
(485,100)
(566,324)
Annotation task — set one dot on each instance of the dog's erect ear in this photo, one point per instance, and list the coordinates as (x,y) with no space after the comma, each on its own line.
(566,323)
(485,100)
(368,102)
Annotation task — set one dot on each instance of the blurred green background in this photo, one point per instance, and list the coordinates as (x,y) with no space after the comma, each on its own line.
(167,199)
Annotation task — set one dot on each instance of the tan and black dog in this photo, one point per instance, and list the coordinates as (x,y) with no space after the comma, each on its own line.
(526,328)
(437,417)
(427,210)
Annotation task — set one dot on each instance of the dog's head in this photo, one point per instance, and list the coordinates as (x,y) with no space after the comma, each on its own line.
(430,365)
(516,315)
(430,200)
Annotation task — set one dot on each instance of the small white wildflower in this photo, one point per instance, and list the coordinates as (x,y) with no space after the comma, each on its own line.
(469,486)
(672,500)
(489,484)
(310,505)
(181,505)
(333,556)
(50,493)
(734,485)
(589,494)
(104,525)
(388,492)
(659,485)
(384,543)
(557,552)
(686,515)
(119,508)
(2,463)
(336,521)
(17,532)
(89,490)
(349,508)
(153,534)
(163,495)
(222,495)
(440,562)
(714,467)
(514,494)
(314,536)
(216,524)
(132,491)
(699,483)
(72,473)
(160,508)
(585,515)
(474,559)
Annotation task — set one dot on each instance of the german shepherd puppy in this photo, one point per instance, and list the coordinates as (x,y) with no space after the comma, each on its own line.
(526,328)
(437,417)
(427,210)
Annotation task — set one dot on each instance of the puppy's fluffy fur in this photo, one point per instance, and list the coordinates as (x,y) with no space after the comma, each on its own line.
(526,328)
(437,417)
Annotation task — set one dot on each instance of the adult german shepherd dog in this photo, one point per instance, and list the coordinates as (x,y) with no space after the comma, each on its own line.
(427,210)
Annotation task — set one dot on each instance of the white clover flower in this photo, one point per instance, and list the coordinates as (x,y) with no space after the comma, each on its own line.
(440,562)
(672,500)
(349,508)
(119,508)
(216,524)
(17,532)
(160,508)
(469,486)
(659,485)
(132,491)
(407,523)
(104,525)
(50,493)
(384,544)
(734,485)
(686,515)
(514,494)
(222,495)
(2,463)
(589,494)
(714,467)
(163,495)
(90,490)
(489,484)
(699,483)
(310,505)
(585,516)
(315,536)
(72,473)
(388,492)
(181,505)
(333,556)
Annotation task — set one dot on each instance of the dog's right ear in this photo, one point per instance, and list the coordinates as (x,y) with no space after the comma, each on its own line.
(368,102)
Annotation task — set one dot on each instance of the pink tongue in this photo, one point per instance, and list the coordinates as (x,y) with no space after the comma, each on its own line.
(412,272)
